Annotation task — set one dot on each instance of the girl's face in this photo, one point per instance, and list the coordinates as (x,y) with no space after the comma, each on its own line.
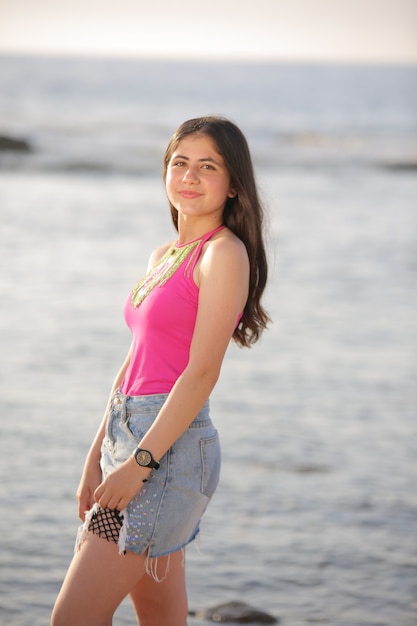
(197,181)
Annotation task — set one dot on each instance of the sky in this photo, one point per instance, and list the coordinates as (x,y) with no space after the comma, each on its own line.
(369,31)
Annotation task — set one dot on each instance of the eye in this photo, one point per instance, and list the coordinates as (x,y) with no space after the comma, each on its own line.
(177,163)
(207,166)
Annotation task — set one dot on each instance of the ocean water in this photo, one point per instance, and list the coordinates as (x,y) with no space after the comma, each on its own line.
(315,517)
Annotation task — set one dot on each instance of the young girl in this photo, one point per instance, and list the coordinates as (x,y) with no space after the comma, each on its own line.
(154,463)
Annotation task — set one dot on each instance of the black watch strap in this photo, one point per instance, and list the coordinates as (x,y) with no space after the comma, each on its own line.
(145,459)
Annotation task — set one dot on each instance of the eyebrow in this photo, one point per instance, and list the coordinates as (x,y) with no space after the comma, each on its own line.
(202,160)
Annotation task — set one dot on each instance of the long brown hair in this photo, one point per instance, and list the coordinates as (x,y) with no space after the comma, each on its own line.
(243,214)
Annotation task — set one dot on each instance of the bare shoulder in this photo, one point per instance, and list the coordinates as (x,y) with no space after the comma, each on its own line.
(225,246)
(224,257)
(158,253)
(224,269)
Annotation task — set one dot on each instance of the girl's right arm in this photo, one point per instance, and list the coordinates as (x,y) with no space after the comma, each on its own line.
(91,476)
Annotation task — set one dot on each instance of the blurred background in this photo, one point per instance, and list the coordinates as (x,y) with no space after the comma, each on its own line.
(315,517)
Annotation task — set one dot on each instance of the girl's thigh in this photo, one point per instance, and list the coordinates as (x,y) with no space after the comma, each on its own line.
(97,581)
(160,597)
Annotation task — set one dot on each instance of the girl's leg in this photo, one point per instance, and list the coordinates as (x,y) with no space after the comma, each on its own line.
(97,581)
(162,603)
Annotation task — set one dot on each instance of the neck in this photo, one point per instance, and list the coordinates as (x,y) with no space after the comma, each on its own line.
(189,231)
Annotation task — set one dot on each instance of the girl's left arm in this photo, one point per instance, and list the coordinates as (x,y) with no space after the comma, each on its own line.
(223,282)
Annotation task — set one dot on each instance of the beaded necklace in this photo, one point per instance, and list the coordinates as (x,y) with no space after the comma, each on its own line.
(164,269)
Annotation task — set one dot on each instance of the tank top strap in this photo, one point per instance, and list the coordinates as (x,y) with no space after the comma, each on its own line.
(210,234)
(197,251)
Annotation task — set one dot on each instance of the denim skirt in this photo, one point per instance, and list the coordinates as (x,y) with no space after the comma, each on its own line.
(165,514)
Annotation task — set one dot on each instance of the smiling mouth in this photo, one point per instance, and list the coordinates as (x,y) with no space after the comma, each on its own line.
(189,195)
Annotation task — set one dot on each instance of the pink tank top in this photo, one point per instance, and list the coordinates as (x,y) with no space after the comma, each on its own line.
(162,325)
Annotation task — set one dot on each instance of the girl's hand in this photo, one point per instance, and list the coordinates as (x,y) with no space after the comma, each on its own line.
(120,487)
(90,479)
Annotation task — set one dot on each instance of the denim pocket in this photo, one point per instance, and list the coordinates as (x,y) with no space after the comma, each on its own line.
(137,425)
(109,433)
(210,459)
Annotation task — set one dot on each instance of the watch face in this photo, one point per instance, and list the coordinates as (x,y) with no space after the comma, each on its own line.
(143,457)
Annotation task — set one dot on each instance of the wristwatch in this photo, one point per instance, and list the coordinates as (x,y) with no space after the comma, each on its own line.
(145,459)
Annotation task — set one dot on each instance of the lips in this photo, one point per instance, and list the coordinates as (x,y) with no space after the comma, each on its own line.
(189,195)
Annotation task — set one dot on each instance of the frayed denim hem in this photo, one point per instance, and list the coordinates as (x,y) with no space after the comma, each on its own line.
(84,529)
(151,563)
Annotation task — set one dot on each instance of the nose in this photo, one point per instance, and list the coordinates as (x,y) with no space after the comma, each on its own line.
(190,175)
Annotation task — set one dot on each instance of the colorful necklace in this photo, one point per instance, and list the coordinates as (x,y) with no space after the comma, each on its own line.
(167,266)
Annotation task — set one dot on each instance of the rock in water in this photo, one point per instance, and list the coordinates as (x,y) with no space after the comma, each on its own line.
(239,613)
(12,144)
